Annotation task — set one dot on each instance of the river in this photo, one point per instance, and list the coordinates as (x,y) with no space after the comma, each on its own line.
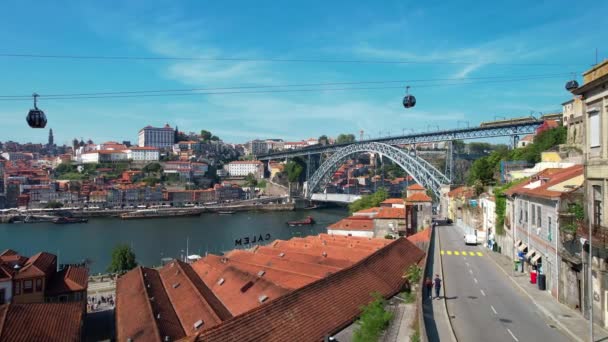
(154,239)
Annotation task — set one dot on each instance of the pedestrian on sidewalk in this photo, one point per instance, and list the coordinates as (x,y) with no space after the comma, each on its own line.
(437,285)
(429,287)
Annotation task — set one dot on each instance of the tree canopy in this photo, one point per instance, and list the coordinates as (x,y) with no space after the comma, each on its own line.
(369,201)
(323,140)
(251,181)
(123,259)
(345,139)
(293,170)
(205,135)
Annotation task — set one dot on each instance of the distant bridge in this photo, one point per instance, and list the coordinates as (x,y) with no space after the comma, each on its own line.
(422,171)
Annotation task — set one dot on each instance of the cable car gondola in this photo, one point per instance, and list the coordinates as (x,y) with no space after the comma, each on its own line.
(36,118)
(409,101)
(571,85)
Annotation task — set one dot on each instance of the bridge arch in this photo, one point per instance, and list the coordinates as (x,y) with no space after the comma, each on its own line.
(421,170)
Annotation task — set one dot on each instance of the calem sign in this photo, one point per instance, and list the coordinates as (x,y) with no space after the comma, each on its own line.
(254,239)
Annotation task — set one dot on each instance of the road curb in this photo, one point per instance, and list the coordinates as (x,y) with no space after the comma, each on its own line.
(445,302)
(542,308)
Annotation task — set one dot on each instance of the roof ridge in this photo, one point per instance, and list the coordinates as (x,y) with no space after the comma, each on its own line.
(3,317)
(151,310)
(279,269)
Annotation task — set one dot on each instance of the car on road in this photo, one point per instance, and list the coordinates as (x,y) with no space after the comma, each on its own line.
(470,239)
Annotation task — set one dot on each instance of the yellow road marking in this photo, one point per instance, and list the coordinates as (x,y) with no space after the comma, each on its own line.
(456,253)
(479,254)
(449,252)
(464,253)
(442,252)
(472,253)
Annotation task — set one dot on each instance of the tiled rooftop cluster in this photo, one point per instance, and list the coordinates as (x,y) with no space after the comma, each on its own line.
(279,287)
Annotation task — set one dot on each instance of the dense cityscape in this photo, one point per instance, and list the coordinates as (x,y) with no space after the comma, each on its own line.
(171,182)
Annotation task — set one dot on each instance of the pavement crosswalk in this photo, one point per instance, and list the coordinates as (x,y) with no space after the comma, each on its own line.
(461,253)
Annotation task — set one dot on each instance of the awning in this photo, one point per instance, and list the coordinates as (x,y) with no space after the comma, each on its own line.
(530,253)
(536,259)
(522,247)
(517,243)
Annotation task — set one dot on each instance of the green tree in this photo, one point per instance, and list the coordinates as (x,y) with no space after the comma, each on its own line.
(153,168)
(123,259)
(345,139)
(215,138)
(373,320)
(205,135)
(323,140)
(66,167)
(293,170)
(369,201)
(251,181)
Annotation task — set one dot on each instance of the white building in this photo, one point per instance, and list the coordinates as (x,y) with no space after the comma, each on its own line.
(487,204)
(353,226)
(145,154)
(161,137)
(105,156)
(244,167)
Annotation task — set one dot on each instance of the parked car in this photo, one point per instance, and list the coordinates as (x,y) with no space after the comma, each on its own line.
(470,239)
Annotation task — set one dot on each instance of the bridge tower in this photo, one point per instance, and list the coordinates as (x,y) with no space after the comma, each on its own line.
(449,160)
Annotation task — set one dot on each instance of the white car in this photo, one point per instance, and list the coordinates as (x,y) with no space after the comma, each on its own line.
(470,239)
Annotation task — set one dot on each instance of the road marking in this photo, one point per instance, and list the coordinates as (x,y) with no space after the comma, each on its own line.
(456,253)
(470,271)
(449,252)
(467,263)
(464,253)
(496,313)
(515,338)
(475,279)
(442,252)
(472,253)
(479,254)
(483,293)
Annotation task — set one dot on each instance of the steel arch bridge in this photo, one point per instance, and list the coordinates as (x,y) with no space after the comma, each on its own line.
(421,170)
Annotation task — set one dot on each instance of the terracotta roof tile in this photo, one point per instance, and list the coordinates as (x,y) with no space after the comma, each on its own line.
(463,191)
(393,201)
(353,223)
(71,279)
(542,184)
(41,322)
(325,306)
(41,264)
(416,187)
(391,213)
(418,197)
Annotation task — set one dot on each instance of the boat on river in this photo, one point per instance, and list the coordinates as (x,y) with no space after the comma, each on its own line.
(153,213)
(305,222)
(68,220)
(226,212)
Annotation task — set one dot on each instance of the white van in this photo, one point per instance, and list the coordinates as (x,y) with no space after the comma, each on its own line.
(470,239)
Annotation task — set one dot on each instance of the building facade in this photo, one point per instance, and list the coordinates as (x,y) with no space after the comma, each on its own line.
(594,96)
(143,154)
(160,137)
(243,168)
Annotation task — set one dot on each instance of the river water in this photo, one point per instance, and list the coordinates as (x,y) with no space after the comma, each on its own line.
(154,239)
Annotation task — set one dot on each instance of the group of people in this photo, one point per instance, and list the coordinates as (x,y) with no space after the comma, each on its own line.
(430,283)
(95,304)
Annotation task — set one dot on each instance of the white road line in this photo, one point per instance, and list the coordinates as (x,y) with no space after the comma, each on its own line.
(475,279)
(496,313)
(483,293)
(470,271)
(515,338)
(467,263)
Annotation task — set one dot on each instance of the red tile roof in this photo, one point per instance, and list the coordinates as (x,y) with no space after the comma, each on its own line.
(373,210)
(421,237)
(416,186)
(544,181)
(324,306)
(391,213)
(71,279)
(41,264)
(354,223)
(41,322)
(418,197)
(393,201)
(463,191)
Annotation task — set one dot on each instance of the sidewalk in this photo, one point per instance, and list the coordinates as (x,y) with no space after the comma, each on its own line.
(568,320)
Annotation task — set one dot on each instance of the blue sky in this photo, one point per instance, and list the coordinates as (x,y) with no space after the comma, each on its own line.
(485,34)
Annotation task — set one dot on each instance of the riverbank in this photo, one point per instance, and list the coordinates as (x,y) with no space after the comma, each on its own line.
(35,215)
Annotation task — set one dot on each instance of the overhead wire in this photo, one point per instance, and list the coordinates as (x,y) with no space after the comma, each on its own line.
(272,60)
(318,87)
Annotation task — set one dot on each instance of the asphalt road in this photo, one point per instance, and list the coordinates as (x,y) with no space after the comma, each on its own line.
(483,304)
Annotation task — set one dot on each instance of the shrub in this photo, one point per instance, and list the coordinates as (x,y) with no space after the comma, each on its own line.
(373,320)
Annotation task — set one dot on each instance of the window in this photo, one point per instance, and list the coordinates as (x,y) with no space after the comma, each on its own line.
(597,205)
(533,214)
(28,286)
(526,216)
(2,298)
(549,236)
(38,285)
(17,287)
(594,129)
(539,217)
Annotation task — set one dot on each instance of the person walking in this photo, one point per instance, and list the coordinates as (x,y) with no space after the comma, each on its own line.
(429,287)
(437,285)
